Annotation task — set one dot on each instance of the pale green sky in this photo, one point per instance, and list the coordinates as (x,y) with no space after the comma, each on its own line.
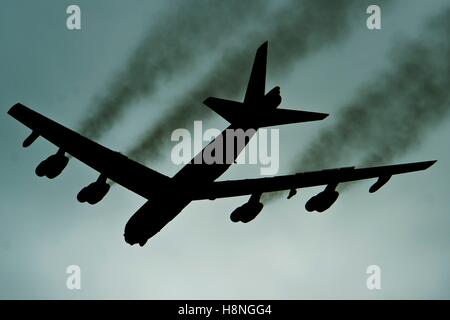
(285,253)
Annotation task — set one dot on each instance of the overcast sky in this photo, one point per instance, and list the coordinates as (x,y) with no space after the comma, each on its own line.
(286,252)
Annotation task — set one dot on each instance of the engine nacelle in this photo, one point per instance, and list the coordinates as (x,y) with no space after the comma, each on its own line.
(322,201)
(273,98)
(247,212)
(52,166)
(94,192)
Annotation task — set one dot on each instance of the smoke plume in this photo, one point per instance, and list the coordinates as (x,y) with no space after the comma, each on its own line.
(170,47)
(294,31)
(394,112)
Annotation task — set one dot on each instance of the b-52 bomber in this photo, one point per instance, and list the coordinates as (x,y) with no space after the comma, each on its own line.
(168,196)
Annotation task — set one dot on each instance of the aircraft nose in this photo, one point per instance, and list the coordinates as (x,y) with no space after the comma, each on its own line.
(129,239)
(132,240)
(142,243)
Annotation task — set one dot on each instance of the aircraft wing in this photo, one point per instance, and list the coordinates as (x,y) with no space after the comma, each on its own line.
(233,188)
(115,166)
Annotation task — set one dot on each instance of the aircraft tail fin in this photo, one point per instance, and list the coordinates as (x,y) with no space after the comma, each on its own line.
(257,82)
(247,113)
(236,113)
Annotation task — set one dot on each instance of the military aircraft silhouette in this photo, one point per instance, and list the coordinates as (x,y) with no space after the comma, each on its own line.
(168,196)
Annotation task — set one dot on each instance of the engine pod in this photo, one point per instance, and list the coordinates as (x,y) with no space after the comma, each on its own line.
(322,201)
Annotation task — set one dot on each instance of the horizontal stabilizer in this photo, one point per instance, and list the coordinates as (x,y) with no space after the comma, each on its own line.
(285,116)
(227,109)
(237,113)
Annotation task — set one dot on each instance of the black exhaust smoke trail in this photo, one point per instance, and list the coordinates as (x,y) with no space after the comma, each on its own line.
(169,48)
(293,32)
(395,111)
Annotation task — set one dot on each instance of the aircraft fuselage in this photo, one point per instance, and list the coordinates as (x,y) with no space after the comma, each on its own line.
(156,213)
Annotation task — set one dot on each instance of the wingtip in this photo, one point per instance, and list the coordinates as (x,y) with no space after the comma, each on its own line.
(320,116)
(428,164)
(14,107)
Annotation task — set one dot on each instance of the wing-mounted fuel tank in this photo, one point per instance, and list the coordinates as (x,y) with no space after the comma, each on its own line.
(53,165)
(381,181)
(94,192)
(30,139)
